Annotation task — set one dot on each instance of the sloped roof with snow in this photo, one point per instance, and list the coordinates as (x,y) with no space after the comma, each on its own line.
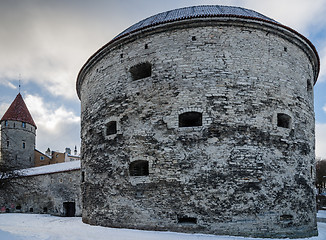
(52,168)
(194,12)
(18,111)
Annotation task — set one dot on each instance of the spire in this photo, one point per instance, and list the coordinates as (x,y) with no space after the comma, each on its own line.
(18,111)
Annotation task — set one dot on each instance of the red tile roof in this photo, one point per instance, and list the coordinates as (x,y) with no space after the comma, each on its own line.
(18,111)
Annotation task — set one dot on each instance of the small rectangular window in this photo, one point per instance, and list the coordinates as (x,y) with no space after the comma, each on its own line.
(6,123)
(141,70)
(283,120)
(23,124)
(187,220)
(191,119)
(24,145)
(7,143)
(111,128)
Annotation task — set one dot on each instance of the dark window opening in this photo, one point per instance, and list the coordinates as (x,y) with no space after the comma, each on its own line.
(142,70)
(24,145)
(190,119)
(18,207)
(309,86)
(193,38)
(111,128)
(69,209)
(139,168)
(283,120)
(45,209)
(146,46)
(188,220)
(31,210)
(286,217)
(23,124)
(121,55)
(6,123)
(7,143)
(83,177)
(285,49)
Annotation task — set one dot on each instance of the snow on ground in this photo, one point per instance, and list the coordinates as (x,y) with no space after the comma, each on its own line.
(15,226)
(321,214)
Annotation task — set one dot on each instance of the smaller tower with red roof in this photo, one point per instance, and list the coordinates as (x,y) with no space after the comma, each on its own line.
(18,131)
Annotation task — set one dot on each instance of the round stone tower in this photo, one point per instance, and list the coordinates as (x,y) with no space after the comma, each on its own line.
(201,119)
(17,132)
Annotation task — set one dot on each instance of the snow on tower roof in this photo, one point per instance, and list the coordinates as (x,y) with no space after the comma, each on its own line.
(18,111)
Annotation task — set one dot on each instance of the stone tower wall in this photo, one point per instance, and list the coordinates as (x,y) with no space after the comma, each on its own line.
(241,171)
(17,144)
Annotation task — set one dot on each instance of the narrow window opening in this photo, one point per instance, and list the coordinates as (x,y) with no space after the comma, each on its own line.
(24,145)
(311,171)
(8,143)
(121,55)
(286,217)
(190,119)
(309,86)
(146,46)
(111,128)
(45,209)
(139,168)
(83,177)
(283,120)
(285,49)
(31,210)
(23,124)
(193,38)
(6,123)
(187,220)
(142,70)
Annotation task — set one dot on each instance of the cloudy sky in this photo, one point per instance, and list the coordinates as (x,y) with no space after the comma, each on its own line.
(46,42)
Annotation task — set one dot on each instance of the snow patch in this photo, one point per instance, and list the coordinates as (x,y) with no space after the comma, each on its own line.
(52,168)
(15,226)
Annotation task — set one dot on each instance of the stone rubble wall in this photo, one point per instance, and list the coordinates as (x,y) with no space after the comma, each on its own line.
(44,193)
(239,173)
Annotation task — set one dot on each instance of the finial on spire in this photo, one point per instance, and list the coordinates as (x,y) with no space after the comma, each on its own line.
(19,82)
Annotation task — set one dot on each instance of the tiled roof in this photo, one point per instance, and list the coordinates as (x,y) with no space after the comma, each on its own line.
(18,111)
(194,12)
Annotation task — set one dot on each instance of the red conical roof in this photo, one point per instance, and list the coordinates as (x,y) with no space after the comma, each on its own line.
(18,111)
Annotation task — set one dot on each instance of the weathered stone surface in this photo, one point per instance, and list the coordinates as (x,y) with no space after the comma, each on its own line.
(45,193)
(240,172)
(17,144)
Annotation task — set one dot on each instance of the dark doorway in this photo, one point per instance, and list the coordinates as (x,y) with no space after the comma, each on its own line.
(69,209)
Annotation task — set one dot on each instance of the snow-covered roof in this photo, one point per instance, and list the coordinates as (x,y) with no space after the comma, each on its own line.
(52,168)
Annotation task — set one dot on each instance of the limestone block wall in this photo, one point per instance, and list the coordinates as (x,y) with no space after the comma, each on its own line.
(55,193)
(213,133)
(17,144)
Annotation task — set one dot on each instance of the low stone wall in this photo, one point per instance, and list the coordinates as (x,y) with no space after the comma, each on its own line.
(56,193)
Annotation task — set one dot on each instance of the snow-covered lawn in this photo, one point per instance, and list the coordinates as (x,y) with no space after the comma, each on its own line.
(35,227)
